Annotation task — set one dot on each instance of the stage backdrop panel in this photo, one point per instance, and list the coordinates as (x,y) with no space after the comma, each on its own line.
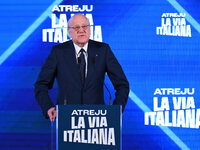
(156,42)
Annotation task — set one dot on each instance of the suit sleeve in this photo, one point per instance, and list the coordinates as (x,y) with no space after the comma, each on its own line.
(45,82)
(118,79)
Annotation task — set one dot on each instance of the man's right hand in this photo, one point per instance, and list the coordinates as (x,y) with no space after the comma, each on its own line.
(52,114)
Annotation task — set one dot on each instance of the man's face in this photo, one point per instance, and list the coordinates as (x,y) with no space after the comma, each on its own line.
(80,30)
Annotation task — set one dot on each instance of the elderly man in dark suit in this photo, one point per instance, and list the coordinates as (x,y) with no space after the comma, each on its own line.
(79,65)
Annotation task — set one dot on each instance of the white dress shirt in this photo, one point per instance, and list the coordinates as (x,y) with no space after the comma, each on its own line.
(77,51)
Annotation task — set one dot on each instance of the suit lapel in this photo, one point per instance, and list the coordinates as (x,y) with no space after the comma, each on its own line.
(91,56)
(71,61)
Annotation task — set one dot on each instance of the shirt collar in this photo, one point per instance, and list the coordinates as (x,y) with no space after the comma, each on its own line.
(77,48)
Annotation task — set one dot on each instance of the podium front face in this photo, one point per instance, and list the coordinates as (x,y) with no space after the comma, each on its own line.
(88,127)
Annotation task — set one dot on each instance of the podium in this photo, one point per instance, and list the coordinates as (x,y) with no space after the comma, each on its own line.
(88,127)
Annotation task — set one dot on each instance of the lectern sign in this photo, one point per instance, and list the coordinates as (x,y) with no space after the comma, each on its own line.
(88,127)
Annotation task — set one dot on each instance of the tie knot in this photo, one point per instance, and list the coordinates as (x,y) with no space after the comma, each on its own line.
(82,50)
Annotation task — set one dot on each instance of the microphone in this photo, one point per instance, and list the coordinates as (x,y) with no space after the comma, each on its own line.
(79,60)
(93,61)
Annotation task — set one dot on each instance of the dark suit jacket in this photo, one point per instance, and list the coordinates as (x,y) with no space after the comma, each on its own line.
(62,65)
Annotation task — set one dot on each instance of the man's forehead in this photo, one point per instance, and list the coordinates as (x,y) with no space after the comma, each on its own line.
(78,19)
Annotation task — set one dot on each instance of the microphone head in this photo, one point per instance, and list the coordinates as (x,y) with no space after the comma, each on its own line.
(79,60)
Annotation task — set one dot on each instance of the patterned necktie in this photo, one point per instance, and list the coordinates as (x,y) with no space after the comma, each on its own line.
(82,65)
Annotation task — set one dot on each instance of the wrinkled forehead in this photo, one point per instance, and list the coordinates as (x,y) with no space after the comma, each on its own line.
(78,20)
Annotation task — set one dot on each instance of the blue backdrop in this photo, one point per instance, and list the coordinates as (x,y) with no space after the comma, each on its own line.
(149,60)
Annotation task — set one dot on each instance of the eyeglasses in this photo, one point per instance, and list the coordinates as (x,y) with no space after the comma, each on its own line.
(77,28)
